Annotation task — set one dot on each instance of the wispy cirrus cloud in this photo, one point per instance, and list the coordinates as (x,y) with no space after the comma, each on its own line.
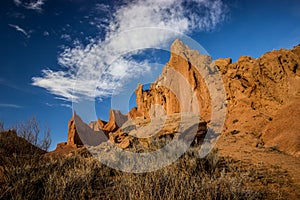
(102,7)
(17,2)
(66,37)
(18,28)
(66,105)
(61,104)
(35,5)
(32,5)
(91,70)
(8,105)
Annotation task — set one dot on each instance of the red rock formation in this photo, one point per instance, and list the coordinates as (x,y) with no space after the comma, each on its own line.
(97,125)
(283,132)
(146,130)
(116,119)
(156,95)
(79,134)
(133,113)
(256,90)
(73,137)
(170,95)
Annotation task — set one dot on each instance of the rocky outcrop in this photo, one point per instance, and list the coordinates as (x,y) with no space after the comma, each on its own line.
(88,136)
(134,113)
(182,73)
(73,137)
(97,125)
(257,90)
(74,140)
(144,131)
(80,134)
(261,97)
(156,95)
(116,120)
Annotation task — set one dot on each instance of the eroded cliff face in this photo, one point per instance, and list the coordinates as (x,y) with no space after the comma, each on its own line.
(257,91)
(172,94)
(257,88)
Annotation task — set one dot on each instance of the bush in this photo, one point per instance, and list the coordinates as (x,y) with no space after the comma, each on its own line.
(30,131)
(1,126)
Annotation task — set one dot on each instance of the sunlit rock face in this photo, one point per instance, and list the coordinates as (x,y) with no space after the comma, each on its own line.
(257,91)
(179,80)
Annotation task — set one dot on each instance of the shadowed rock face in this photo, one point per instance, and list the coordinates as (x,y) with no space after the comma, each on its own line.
(116,120)
(73,137)
(256,90)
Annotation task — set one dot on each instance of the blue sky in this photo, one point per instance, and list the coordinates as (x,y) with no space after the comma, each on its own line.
(51,35)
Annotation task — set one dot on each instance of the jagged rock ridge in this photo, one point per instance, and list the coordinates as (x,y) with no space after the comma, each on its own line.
(256,92)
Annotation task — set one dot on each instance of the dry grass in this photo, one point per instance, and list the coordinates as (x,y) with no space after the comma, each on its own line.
(27,173)
(79,176)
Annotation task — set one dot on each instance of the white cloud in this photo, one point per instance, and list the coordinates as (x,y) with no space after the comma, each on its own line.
(49,104)
(85,67)
(18,28)
(46,33)
(66,37)
(102,7)
(61,104)
(17,2)
(6,105)
(35,5)
(66,105)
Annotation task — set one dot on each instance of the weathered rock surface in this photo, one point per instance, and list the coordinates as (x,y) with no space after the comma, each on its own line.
(116,119)
(180,79)
(80,134)
(257,91)
(258,88)
(73,137)
(188,127)
(134,113)
(283,132)
(97,125)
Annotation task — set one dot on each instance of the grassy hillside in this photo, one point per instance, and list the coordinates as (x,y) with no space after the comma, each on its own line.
(79,176)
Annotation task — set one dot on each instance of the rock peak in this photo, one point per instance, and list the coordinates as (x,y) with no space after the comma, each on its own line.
(178,46)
